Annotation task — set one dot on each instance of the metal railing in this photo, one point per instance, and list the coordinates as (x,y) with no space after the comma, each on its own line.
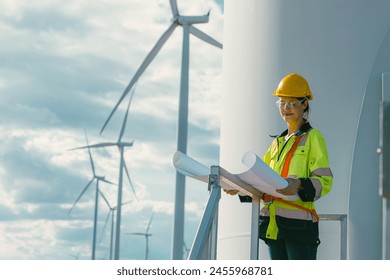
(342,218)
(205,243)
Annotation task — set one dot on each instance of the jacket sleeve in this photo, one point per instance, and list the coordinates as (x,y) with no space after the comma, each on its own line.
(245,198)
(320,179)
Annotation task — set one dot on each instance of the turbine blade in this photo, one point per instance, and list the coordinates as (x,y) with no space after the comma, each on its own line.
(81,194)
(105,199)
(91,160)
(100,145)
(104,227)
(90,155)
(204,37)
(150,222)
(127,113)
(175,11)
(127,144)
(127,202)
(105,144)
(135,233)
(149,58)
(128,177)
(108,182)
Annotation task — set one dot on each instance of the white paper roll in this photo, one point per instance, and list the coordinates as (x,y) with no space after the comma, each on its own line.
(259,174)
(190,167)
(263,177)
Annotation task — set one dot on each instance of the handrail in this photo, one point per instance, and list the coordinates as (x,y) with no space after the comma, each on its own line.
(206,234)
(343,230)
(205,242)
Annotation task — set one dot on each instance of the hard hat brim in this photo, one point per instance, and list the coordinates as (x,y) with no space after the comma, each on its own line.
(279,94)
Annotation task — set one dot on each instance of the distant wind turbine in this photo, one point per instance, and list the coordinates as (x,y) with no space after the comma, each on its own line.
(147,235)
(110,213)
(75,257)
(187,23)
(98,179)
(122,166)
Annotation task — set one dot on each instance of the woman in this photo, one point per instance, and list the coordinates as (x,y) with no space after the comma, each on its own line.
(290,228)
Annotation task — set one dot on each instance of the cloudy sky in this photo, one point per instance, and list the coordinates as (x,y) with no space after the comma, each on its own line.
(63,66)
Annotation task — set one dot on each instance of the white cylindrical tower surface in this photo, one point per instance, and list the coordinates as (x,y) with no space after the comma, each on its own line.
(334,45)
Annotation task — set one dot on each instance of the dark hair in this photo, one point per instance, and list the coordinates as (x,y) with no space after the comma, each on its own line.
(307,109)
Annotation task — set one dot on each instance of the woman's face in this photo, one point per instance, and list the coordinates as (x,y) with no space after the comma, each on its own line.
(291,109)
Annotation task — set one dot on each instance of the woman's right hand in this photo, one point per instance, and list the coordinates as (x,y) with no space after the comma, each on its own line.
(231,192)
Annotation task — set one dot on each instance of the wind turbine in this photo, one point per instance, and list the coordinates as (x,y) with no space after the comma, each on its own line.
(98,179)
(147,235)
(75,257)
(187,23)
(122,166)
(110,213)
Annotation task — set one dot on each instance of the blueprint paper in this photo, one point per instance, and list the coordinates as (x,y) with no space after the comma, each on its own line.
(190,167)
(263,177)
(258,174)
(194,169)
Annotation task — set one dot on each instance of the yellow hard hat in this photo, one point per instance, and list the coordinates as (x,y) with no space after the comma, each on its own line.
(293,85)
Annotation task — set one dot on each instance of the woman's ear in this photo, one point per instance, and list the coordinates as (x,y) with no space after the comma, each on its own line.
(304,104)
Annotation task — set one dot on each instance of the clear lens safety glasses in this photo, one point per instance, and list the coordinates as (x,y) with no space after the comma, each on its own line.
(289,105)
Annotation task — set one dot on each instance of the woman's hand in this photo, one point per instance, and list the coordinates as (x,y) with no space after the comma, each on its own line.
(293,186)
(231,192)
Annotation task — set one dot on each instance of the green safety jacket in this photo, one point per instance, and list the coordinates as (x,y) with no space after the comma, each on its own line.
(310,164)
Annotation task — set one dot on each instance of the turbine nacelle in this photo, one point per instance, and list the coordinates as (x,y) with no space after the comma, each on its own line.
(126,144)
(103,179)
(188,20)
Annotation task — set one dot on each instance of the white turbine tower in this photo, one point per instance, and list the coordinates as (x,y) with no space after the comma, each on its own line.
(187,23)
(111,213)
(147,235)
(98,179)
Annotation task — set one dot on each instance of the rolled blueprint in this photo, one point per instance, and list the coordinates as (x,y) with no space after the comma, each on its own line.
(263,177)
(190,167)
(258,174)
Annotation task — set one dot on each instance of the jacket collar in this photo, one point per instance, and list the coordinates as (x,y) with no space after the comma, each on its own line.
(304,128)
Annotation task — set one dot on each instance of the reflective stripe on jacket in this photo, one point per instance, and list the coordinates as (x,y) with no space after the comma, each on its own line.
(310,164)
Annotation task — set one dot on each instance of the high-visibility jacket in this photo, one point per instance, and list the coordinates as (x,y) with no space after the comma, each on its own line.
(310,164)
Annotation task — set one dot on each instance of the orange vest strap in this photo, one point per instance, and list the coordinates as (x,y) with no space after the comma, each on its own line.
(284,174)
(312,211)
(286,165)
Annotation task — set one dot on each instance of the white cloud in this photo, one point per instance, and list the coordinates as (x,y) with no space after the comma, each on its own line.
(35,239)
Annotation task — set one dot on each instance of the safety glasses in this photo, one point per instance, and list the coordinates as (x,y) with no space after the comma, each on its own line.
(289,105)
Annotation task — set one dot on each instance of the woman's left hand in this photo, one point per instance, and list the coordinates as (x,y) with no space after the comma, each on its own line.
(293,186)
